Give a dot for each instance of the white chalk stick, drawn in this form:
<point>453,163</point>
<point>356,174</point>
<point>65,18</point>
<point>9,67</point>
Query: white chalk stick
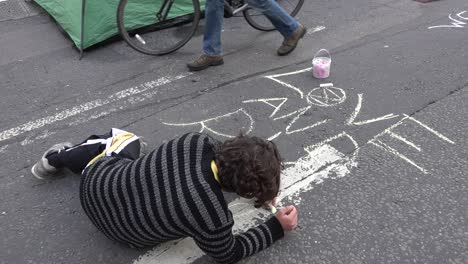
<point>326,85</point>
<point>273,209</point>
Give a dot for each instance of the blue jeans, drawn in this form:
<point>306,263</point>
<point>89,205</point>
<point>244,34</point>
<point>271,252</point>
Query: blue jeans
<point>214,13</point>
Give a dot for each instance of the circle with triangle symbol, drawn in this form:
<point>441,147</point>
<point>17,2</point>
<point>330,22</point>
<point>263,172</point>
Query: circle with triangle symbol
<point>326,96</point>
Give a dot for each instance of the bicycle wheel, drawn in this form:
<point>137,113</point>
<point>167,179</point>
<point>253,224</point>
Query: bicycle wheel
<point>258,21</point>
<point>157,27</point>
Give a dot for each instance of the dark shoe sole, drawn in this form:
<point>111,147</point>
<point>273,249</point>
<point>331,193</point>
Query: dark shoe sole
<point>202,67</point>
<point>293,48</point>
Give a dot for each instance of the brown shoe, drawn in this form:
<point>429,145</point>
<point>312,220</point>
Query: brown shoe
<point>290,43</point>
<point>205,61</point>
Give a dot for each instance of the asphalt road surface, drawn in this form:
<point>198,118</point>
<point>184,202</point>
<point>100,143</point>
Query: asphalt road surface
<point>376,163</point>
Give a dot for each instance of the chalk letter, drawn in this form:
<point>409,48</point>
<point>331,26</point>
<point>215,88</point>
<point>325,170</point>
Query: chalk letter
<point>460,15</point>
<point>455,23</point>
<point>351,120</point>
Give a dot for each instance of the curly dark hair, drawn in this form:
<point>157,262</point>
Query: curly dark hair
<point>250,166</point>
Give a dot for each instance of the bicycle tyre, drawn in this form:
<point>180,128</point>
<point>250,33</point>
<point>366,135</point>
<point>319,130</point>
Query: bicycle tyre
<point>194,19</point>
<point>250,17</point>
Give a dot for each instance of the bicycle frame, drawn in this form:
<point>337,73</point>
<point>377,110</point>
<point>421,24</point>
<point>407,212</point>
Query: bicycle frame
<point>233,11</point>
<point>167,4</point>
<point>164,10</point>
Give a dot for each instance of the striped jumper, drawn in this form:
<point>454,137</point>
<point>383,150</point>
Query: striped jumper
<point>168,194</point>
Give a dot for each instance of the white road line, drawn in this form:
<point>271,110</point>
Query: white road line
<point>16,131</point>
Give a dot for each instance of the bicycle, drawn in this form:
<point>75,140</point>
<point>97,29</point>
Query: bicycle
<point>168,31</point>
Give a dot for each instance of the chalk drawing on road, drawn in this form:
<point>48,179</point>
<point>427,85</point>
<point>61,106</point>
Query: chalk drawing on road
<point>405,140</point>
<point>275,136</point>
<point>326,96</point>
<point>294,88</point>
<point>352,119</point>
<point>267,101</point>
<point>299,113</point>
<point>395,152</point>
<point>378,140</point>
<point>204,124</point>
<point>315,30</point>
<point>456,22</point>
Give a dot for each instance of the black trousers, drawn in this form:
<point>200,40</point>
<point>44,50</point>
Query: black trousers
<point>78,157</point>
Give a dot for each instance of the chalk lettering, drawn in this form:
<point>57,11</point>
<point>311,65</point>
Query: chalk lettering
<point>456,22</point>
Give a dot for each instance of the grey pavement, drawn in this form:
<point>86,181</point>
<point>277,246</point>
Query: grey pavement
<point>400,96</point>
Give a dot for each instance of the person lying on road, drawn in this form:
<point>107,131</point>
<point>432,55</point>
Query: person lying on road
<point>174,191</point>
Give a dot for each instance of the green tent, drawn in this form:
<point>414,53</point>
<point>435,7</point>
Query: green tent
<point>89,22</point>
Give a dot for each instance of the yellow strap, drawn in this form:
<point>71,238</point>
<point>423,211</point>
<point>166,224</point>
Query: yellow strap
<point>214,168</point>
<point>116,142</point>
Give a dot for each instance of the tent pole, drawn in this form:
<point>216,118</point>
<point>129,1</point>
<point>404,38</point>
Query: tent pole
<point>83,6</point>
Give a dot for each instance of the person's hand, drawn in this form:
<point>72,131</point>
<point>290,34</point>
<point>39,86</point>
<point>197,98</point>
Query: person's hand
<point>287,216</point>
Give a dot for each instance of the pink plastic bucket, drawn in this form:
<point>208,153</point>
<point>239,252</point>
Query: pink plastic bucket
<point>321,64</point>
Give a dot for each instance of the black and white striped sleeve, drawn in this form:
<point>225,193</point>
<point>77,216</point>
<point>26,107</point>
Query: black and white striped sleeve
<point>225,247</point>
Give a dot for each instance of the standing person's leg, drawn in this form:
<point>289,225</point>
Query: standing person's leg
<point>75,158</point>
<point>291,30</point>
<point>212,48</point>
<point>214,16</point>
<point>283,22</point>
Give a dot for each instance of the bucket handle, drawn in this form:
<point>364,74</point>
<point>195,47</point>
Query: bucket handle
<point>322,50</point>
